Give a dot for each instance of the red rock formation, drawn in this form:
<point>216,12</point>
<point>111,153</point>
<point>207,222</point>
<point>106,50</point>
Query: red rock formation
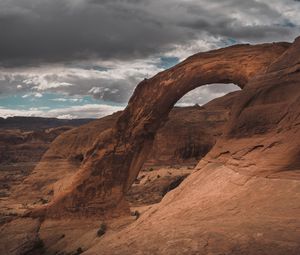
<point>188,134</point>
<point>20,152</point>
<point>18,146</point>
<point>244,196</point>
<point>114,161</point>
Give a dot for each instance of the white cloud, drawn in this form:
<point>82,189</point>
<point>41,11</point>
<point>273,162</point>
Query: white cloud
<point>182,51</point>
<point>26,95</point>
<point>95,90</point>
<point>84,111</point>
<point>65,116</point>
<point>62,99</point>
<point>38,95</point>
<point>108,80</point>
<point>40,82</point>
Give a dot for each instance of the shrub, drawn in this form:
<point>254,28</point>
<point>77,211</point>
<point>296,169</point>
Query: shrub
<point>173,185</point>
<point>39,245</point>
<point>101,231</point>
<point>38,248</point>
<point>136,214</point>
<point>79,251</point>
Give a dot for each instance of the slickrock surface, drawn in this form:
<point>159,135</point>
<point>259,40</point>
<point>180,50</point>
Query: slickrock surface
<point>215,211</point>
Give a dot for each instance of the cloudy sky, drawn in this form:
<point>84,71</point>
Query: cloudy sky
<point>83,58</point>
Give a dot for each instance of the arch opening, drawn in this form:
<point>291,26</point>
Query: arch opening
<point>191,130</point>
<point>198,116</point>
<point>204,94</point>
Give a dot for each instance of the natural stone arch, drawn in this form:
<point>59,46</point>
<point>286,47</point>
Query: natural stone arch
<point>114,161</point>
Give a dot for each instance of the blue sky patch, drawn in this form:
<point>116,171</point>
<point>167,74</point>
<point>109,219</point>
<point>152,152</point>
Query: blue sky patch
<point>49,101</point>
<point>168,62</point>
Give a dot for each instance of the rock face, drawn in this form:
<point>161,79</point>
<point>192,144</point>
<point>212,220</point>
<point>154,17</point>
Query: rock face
<point>113,163</point>
<point>20,151</point>
<point>215,211</point>
<point>23,141</point>
<point>244,196</point>
<point>189,133</point>
<point>20,237</point>
<point>25,146</point>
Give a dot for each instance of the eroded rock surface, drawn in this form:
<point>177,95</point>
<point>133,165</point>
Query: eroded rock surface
<point>113,163</point>
<point>244,196</point>
<point>20,236</point>
<point>215,211</point>
<point>189,133</point>
<point>23,141</point>
<point>20,152</point>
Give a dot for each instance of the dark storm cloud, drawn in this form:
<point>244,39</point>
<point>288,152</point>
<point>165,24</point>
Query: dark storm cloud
<point>236,19</point>
<point>34,31</point>
<point>61,30</point>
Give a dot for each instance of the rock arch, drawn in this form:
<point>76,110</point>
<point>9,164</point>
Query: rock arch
<point>112,164</point>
